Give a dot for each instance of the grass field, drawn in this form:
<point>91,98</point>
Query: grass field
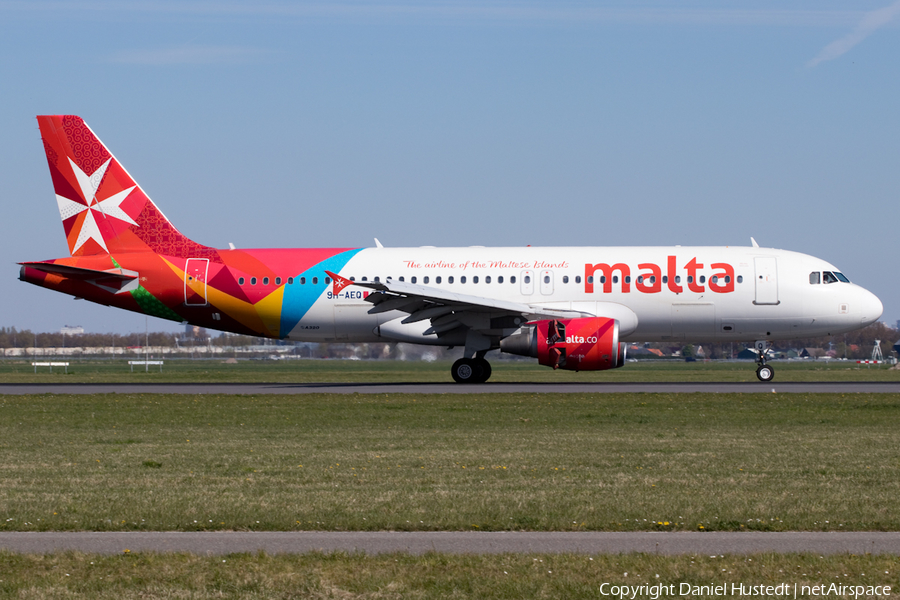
<point>450,462</point>
<point>349,371</point>
<point>343,576</point>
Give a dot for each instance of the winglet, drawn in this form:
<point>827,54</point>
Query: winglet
<point>337,282</point>
<point>752,241</point>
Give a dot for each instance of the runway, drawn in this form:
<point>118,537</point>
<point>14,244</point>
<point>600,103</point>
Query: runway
<point>882,387</point>
<point>205,543</point>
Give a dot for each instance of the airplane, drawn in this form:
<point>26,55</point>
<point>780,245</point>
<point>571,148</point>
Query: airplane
<point>571,308</point>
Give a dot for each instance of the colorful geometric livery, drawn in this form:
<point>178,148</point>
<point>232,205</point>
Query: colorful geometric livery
<point>126,253</point>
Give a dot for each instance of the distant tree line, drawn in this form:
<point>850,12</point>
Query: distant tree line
<point>862,339</point>
<point>855,345</point>
<point>10,337</point>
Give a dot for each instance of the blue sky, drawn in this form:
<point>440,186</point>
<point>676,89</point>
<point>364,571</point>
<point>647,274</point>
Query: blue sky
<point>300,124</point>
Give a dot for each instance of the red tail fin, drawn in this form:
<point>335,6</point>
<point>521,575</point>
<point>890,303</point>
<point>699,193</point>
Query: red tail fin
<point>102,209</point>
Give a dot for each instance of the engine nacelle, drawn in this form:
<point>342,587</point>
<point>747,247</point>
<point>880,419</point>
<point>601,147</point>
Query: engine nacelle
<point>587,344</point>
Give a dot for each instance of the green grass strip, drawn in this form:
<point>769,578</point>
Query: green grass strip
<point>546,462</point>
<point>355,576</point>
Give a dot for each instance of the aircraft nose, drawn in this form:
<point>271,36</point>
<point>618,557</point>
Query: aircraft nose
<point>871,307</point>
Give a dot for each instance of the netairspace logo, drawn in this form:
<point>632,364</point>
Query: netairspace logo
<point>782,590</point>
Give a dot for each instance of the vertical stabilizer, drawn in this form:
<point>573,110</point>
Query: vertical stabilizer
<point>102,209</point>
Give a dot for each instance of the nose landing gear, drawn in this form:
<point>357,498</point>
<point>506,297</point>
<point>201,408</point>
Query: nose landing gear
<point>764,372</point>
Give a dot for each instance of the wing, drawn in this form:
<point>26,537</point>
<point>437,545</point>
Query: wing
<point>448,311</point>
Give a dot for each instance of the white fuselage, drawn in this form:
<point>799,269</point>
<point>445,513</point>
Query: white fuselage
<point>757,293</point>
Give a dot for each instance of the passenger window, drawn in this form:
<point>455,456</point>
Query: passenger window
<point>590,279</point>
<point>353,279</point>
<point>678,279</point>
<point>728,279</point>
<point>377,280</point>
<point>401,278</point>
<point>278,281</point>
<point>740,279</point>
<point>640,279</point>
<point>815,278</point>
<point>425,279</point>
<point>603,278</point>
<point>500,279</point>
<point>652,279</point>
<point>713,279</point>
<point>475,279</point>
<point>487,278</point>
<point>253,281</point>
<point>512,278</point>
<point>450,279</point>
<point>365,278</point>
<point>546,279</point>
<point>412,279</point>
<point>703,279</point>
<point>665,279</point>
<point>265,281</point>
<point>437,279</point>
<point>290,281</point>
<point>690,279</point>
<point>327,280</point>
<point>303,280</point>
<point>240,281</point>
<point>462,279</point>
<point>628,279</point>
<point>565,279</point>
<point>528,279</point>
<point>315,281</point>
<point>578,279</point>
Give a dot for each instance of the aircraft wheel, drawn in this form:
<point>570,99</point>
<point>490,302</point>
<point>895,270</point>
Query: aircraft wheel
<point>765,373</point>
<point>482,369</point>
<point>464,371</point>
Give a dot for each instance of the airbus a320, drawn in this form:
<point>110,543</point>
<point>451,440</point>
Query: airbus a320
<point>570,308</point>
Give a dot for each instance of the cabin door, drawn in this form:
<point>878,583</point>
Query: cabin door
<point>766,280</point>
<point>195,272</point>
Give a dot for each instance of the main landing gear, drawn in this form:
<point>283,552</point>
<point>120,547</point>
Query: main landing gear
<point>471,370</point>
<point>764,372</point>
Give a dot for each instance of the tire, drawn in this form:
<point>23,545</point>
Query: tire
<point>482,370</point>
<point>765,373</point>
<point>464,371</point>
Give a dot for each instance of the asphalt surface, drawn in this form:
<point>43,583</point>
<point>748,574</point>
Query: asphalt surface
<point>886,387</point>
<point>707,543</point>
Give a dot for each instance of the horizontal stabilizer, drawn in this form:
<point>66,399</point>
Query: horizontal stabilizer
<point>116,281</point>
<point>82,274</point>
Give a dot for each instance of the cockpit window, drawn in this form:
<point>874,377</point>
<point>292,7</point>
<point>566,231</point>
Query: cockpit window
<point>828,277</point>
<point>841,277</point>
<point>815,278</point>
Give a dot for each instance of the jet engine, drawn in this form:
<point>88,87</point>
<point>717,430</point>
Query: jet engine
<point>585,344</point>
